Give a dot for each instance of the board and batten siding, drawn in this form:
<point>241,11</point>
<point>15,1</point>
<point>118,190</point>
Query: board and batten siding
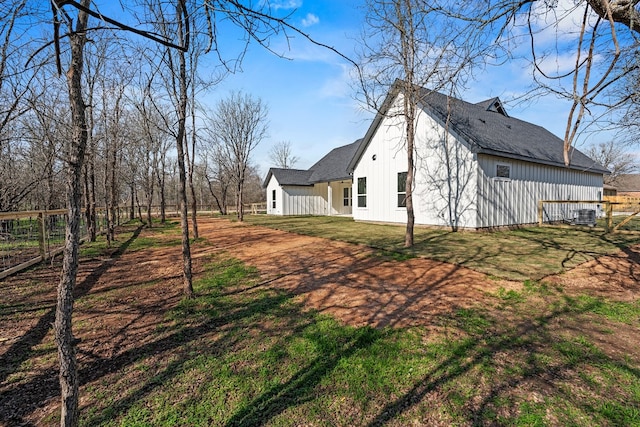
<point>385,157</point>
<point>512,201</point>
<point>306,199</point>
<point>274,186</point>
<point>380,163</point>
<point>303,200</point>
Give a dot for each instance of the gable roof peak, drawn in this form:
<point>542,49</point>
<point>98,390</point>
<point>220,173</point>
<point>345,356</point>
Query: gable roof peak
<point>495,105</point>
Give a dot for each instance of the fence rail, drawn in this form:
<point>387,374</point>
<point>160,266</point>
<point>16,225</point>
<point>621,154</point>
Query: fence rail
<point>624,203</point>
<point>27,238</point>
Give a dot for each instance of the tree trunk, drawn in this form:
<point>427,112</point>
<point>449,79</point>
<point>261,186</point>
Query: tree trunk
<point>69,383</point>
<point>107,212</point>
<point>113,198</point>
<point>192,160</point>
<point>93,230</point>
<point>163,202</point>
<point>194,206</point>
<point>180,140</point>
<point>240,190</point>
<point>409,108</point>
<point>132,207</point>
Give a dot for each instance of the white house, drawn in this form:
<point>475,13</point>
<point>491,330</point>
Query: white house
<point>324,189</point>
<point>475,167</point>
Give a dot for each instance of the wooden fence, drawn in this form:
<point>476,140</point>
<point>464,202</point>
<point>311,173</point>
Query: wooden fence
<point>30,237</point>
<point>623,203</point>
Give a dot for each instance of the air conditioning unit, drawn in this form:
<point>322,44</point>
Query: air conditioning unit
<point>584,217</point>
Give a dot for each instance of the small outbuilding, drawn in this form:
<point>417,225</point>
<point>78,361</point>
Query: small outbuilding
<point>323,189</point>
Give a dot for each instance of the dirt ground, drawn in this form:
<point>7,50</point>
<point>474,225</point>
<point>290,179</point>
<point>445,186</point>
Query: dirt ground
<point>344,280</point>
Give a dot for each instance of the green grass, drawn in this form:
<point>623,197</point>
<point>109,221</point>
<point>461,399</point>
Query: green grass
<point>526,253</point>
<point>243,354</point>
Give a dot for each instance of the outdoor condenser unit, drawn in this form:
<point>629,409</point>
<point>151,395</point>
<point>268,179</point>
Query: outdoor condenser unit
<point>585,217</point>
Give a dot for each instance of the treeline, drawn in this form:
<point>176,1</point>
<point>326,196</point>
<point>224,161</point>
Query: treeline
<point>130,157</point>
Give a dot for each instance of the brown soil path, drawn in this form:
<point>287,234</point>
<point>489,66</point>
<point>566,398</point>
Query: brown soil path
<point>348,281</point>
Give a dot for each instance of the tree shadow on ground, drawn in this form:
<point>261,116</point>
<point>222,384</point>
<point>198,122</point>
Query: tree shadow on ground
<point>16,405</point>
<point>529,342</point>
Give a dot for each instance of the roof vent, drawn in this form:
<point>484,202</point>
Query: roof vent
<point>494,105</point>
<point>497,107</point>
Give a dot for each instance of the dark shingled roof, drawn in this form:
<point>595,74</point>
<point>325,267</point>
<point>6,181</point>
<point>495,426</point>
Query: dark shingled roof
<point>490,132</point>
<point>332,167</point>
<point>487,129</point>
<point>627,182</point>
<point>289,176</point>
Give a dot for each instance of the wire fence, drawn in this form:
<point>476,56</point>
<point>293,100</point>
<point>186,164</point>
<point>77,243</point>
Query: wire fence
<point>27,238</point>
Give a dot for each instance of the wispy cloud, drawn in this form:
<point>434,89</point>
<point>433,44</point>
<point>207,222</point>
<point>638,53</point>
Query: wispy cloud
<point>286,4</point>
<point>310,20</point>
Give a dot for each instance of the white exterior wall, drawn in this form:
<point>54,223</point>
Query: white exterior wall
<point>337,199</point>
<point>302,200</point>
<point>274,185</point>
<point>307,200</point>
<point>430,195</point>
<point>296,200</point>
<point>515,201</point>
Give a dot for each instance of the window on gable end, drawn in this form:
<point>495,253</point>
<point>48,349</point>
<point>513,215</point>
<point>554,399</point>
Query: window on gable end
<point>503,171</point>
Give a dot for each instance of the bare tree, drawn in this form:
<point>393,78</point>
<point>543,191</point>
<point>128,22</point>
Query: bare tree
<point>239,125</point>
<point>176,85</point>
<point>218,177</point>
<point>614,157</point>
<point>408,46</point>
<point>74,156</point>
<point>281,155</point>
<point>15,81</point>
<point>579,51</point>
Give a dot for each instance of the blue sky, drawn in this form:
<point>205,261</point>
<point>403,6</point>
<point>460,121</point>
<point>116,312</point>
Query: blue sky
<point>311,103</point>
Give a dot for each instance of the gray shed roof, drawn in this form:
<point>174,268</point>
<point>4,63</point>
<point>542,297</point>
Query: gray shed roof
<point>488,129</point>
<point>332,167</point>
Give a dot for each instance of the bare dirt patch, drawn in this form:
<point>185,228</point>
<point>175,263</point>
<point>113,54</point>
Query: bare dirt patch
<point>131,291</point>
<point>614,276</point>
<point>348,281</point>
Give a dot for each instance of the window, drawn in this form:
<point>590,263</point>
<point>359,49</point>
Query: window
<point>273,199</point>
<point>346,196</point>
<point>503,171</point>
<point>402,189</point>
<point>362,192</point>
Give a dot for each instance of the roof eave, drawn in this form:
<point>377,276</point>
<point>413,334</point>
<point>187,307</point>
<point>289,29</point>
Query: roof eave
<point>540,161</point>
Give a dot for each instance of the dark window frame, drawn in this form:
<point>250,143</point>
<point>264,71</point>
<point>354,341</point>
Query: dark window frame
<point>402,189</point>
<point>346,196</point>
<point>503,171</point>
<point>362,192</point>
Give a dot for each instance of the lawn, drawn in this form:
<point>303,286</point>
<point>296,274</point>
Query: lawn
<point>246,353</point>
<point>259,358</point>
<point>521,254</point>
